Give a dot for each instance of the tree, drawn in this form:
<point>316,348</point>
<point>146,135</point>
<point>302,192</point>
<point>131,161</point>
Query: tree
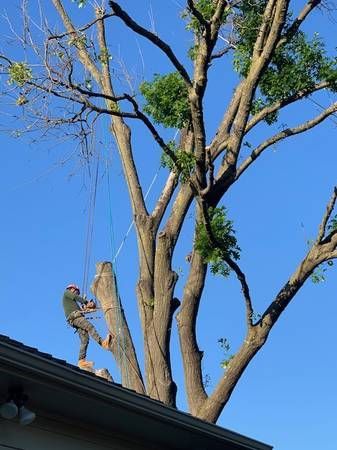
<point>277,65</point>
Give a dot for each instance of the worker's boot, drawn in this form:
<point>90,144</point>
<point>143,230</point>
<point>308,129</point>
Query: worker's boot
<point>85,365</point>
<point>106,342</point>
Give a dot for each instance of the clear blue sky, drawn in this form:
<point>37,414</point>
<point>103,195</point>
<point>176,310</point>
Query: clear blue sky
<point>287,396</point>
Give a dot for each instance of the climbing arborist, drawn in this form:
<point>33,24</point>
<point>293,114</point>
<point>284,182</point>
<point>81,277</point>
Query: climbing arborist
<point>75,317</point>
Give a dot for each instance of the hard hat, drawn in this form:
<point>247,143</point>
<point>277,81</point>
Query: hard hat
<point>73,286</point>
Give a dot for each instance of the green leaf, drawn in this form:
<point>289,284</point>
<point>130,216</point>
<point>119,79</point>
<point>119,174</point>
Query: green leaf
<point>299,64</point>
<point>224,235</point>
<point>167,100</point>
<point>19,73</point>
<point>183,162</point>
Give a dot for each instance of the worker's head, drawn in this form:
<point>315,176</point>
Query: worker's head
<point>73,288</point>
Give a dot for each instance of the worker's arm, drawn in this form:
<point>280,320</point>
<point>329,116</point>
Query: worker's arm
<point>76,298</point>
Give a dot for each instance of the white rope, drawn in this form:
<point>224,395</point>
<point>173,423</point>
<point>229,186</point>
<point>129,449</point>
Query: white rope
<point>133,222</point>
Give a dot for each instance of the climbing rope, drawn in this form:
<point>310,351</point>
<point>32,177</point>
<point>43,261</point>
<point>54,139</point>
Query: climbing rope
<point>90,227</point>
<point>146,195</point>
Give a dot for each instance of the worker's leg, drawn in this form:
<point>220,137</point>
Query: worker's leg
<point>83,324</point>
<point>84,338</point>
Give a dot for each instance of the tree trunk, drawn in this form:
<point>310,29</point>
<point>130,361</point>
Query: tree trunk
<point>105,290</point>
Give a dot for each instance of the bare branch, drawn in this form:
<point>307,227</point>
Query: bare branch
<point>130,23</point>
<point>285,134</point>
<point>326,217</point>
<point>82,51</point>
<point>223,52</point>
<point>79,30</point>
<point>164,198</point>
<point>261,115</point>
<point>245,289</point>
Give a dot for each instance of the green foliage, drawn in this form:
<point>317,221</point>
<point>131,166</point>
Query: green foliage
<point>167,100</point>
<point>226,243</point>
<point>319,274</point>
<point>257,105</point>
<point>78,41</point>
<point>183,163</point>
<point>21,100</point>
<point>19,73</point>
<point>225,346</point>
<point>104,57</point>
<point>206,9</point>
<point>296,65</point>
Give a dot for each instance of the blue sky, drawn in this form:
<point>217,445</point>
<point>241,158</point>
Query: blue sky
<point>287,396</point>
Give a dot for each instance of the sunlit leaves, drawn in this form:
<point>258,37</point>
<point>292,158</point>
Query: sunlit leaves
<point>19,73</point>
<point>206,8</point>
<point>214,249</point>
<point>297,65</point>
<point>167,100</point>
<point>183,163</point>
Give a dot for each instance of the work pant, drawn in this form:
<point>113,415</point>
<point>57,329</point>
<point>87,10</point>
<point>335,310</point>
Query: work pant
<point>84,328</point>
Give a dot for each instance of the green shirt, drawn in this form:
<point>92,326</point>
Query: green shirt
<point>70,302</point>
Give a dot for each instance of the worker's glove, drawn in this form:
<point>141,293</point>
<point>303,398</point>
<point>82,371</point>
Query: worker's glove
<point>91,304</point>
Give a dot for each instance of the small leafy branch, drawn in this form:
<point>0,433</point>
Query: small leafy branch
<point>19,73</point>
<point>183,163</point>
<point>167,100</point>
<point>319,274</point>
<point>104,57</point>
<point>224,244</point>
<point>225,346</point>
<point>78,41</point>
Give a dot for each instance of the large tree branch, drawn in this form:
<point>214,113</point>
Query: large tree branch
<point>326,217</point>
<point>134,26</point>
<point>261,115</point>
<point>258,334</point>
<point>269,35</point>
<point>245,289</point>
<point>186,319</point>
<point>221,140</point>
<point>164,198</point>
<point>82,51</point>
<point>196,92</point>
<point>120,129</point>
<point>283,135</point>
<point>294,27</point>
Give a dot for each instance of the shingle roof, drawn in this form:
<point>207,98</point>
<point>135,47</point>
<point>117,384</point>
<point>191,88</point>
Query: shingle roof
<point>44,374</point>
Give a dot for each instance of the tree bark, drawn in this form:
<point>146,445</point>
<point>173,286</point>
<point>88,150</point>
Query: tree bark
<point>105,290</point>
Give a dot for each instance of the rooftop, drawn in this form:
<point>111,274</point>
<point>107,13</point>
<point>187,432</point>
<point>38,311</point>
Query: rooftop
<point>56,386</point>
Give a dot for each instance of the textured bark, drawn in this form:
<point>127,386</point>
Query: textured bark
<point>157,236</point>
<point>191,354</point>
<point>105,290</point>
